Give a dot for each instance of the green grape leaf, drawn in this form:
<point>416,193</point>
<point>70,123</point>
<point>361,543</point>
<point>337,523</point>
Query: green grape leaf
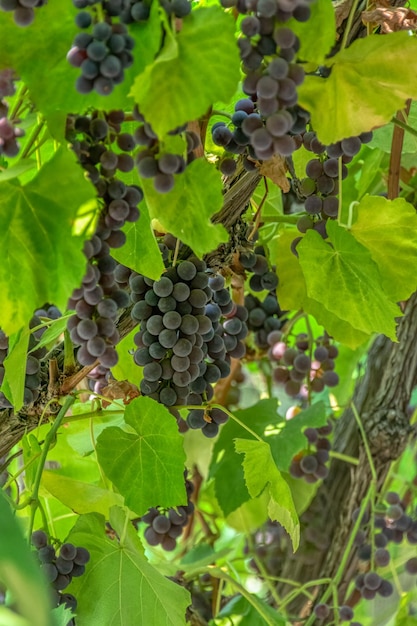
<point>186,210</point>
<point>38,219</point>
<point>184,81</point>
<point>13,385</point>
<point>231,494</point>
<point>261,473</point>
<point>290,439</point>
<point>21,167</point>
<point>317,34</point>
<point>119,585</point>
<point>146,461</point>
<point>341,330</point>
<point>388,229</point>
<point>62,615</point>
<point>368,83</point>
<point>31,457</point>
<point>341,275</point>
<point>126,368</point>
<point>79,496</point>
<point>51,79</point>
<point>254,613</point>
<point>382,137</point>
<point>53,331</point>
<point>19,570</point>
<point>141,252</point>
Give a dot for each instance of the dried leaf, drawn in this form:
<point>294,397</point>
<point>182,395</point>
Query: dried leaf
<point>275,169</point>
<point>120,389</point>
<point>391,20</point>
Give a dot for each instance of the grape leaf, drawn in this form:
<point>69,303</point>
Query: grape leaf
<point>126,369</point>
<point>53,331</point>
<point>186,210</point>
<point>13,385</point>
<point>185,80</point>
<point>19,571</point>
<point>261,473</point>
<point>388,229</point>
<point>252,613</point>
<point>51,79</point>
<point>141,252</point>
<point>146,461</point>
<point>382,137</point>
<point>232,493</point>
<point>119,585</point>
<point>369,82</point>
<point>37,257</point>
<point>317,34</point>
<point>80,496</point>
<point>341,275</point>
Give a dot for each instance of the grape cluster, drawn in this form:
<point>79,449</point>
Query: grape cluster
<point>60,569</point>
<point>264,315</point>
<point>9,133</point>
<point>153,162</point>
<point>23,10</point>
<point>320,187</point>
<point>303,364</point>
<point>99,298</point>
<point>33,360</point>
<point>101,55</point>
<point>393,525</point>
<point>165,526</point>
<point>270,543</point>
<point>311,465</point>
<point>269,121</point>
<point>189,330</point>
<point>345,613</point>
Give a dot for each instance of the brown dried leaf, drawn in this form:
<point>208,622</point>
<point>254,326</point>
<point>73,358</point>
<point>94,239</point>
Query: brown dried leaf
<point>391,20</point>
<point>275,169</point>
<point>120,390</point>
<point>341,10</point>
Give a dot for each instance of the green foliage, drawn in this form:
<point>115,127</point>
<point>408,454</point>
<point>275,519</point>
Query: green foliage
<point>170,92</point>
<point>15,365</point>
<point>120,586</point>
<point>317,35</point>
<point>37,219</point>
<point>342,276</point>
<point>146,460</point>
<point>19,572</point>
<point>190,221</point>
<point>261,473</point>
<point>362,92</point>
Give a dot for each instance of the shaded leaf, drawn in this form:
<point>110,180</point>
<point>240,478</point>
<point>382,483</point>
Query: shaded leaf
<point>317,34</point>
<point>146,461</point>
<point>368,83</point>
<point>13,385</point>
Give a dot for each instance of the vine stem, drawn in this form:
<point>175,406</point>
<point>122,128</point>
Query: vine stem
<point>349,24</point>
<point>69,401</point>
<point>301,589</point>
<point>343,457</point>
<point>216,572</point>
<point>365,442</point>
<point>271,588</point>
<point>237,420</point>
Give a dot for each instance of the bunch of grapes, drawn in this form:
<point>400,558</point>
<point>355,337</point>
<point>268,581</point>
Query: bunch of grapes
<point>393,525</point>
<point>264,315</point>
<point>189,330</point>
<point>102,54</point>
<point>153,162</point>
<point>33,378</point>
<point>9,133</point>
<point>311,464</point>
<point>303,364</point>
<point>60,569</point>
<point>165,526</point>
<point>344,613</point>
<point>23,10</point>
<point>98,300</point>
<point>269,121</point>
<point>270,543</point>
<point>320,187</point>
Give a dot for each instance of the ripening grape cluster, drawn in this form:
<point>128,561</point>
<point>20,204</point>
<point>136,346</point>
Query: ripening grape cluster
<point>311,464</point>
<point>269,121</point>
<point>270,543</point>
<point>9,133</point>
<point>33,359</point>
<point>60,568</point>
<point>264,316</point>
<point>154,162</point>
<point>165,526</point>
<point>98,300</point>
<point>303,364</point>
<point>393,524</point>
<point>189,330</point>
<point>344,613</point>
<point>23,10</point>
<point>320,187</point>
